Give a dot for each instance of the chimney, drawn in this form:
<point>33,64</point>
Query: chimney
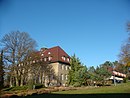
<point>43,49</point>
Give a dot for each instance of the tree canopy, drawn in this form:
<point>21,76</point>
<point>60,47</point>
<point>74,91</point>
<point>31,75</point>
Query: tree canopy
<point>124,55</point>
<point>16,46</point>
<point>77,73</point>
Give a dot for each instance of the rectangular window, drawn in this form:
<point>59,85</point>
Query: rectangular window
<point>62,77</point>
<point>68,59</point>
<point>66,77</point>
<point>49,58</point>
<point>62,67</point>
<point>33,61</point>
<point>45,59</point>
<point>66,67</point>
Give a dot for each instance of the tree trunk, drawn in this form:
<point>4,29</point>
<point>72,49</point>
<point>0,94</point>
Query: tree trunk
<point>16,77</point>
<point>10,82</point>
<point>40,78</point>
<point>43,78</point>
<point>21,82</point>
<point>17,81</point>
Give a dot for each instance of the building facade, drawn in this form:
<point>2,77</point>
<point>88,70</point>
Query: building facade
<point>60,62</point>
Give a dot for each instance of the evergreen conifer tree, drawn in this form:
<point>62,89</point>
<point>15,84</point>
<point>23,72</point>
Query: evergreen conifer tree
<point>1,71</point>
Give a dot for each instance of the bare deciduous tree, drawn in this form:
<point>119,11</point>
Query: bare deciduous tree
<point>124,55</point>
<point>128,26</point>
<point>16,45</point>
<point>39,70</point>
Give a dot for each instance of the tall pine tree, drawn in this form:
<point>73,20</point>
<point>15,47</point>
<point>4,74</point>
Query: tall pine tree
<point>1,71</point>
<point>77,73</point>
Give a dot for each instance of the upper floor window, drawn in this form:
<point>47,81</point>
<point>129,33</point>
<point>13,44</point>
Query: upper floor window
<point>49,52</point>
<point>66,67</point>
<point>42,54</point>
<point>62,67</point>
<point>68,59</point>
<point>34,61</point>
<point>19,65</point>
<point>62,77</point>
<point>45,59</point>
<point>49,58</point>
<point>66,77</point>
<point>63,57</point>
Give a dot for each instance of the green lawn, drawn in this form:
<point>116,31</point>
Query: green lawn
<point>120,88</point>
<point>119,91</point>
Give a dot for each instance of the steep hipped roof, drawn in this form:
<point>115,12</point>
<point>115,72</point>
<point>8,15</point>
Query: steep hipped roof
<point>55,54</point>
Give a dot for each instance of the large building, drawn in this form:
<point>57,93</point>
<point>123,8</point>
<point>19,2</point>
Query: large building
<point>59,60</point>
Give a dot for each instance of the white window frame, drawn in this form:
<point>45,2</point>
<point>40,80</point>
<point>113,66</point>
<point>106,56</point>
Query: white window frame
<point>45,59</point>
<point>49,58</point>
<point>62,77</point>
<point>66,77</point>
<point>62,67</point>
<point>66,67</point>
<point>49,52</point>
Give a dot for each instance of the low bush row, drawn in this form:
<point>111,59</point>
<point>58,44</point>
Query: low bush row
<point>25,87</point>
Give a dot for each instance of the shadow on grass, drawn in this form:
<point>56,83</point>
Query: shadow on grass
<point>119,95</point>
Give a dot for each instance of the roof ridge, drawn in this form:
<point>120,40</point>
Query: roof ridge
<point>54,47</point>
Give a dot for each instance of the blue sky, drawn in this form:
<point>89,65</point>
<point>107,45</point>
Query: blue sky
<point>92,29</point>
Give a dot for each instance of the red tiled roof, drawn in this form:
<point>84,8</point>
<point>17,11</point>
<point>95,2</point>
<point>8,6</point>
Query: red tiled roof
<point>55,54</point>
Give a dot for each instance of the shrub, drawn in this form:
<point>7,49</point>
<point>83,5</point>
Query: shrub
<point>77,84</point>
<point>37,86</point>
<point>8,89</point>
<point>25,87</point>
<point>30,86</point>
<point>124,80</point>
<point>99,84</point>
<point>16,88</point>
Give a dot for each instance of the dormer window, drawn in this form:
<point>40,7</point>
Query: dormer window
<point>68,59</point>
<point>63,57</point>
<point>19,65</point>
<point>49,58</point>
<point>45,59</point>
<point>49,52</point>
<point>34,61</point>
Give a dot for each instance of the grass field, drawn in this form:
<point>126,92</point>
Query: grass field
<point>119,91</point>
<point>120,88</point>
